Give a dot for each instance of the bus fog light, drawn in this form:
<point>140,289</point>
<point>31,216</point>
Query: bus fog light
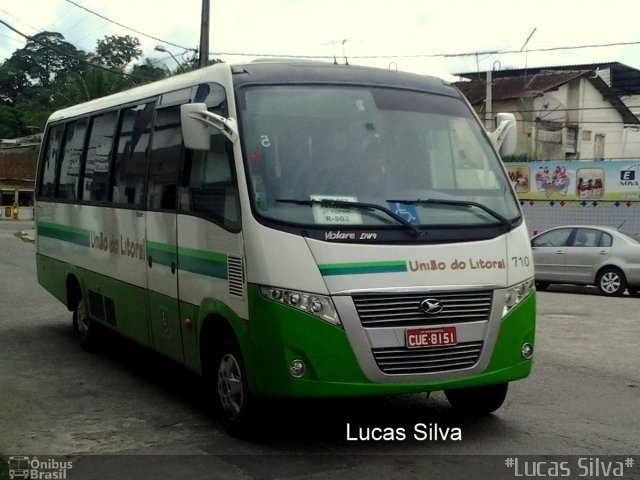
<point>297,368</point>
<point>527,351</point>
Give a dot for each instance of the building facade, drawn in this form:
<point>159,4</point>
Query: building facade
<point>563,113</point>
<point>18,163</point>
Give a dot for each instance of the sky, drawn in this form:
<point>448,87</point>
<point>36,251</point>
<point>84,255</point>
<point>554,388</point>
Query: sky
<point>428,37</point>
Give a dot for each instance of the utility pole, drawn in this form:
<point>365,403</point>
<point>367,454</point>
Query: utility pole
<point>488,119</point>
<point>204,35</point>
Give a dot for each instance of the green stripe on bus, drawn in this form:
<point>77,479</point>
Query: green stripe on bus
<point>362,268</point>
<point>210,264</point>
<point>65,233</point>
<point>162,253</point>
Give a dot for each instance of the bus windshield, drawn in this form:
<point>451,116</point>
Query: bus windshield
<point>310,150</point>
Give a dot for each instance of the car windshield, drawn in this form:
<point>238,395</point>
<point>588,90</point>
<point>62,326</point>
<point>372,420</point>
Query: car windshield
<point>393,154</point>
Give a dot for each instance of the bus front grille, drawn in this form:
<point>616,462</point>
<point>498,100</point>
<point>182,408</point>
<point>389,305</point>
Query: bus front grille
<point>401,360</point>
<point>403,310</point>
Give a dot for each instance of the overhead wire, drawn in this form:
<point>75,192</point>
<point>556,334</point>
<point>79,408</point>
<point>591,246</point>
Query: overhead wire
<point>126,27</point>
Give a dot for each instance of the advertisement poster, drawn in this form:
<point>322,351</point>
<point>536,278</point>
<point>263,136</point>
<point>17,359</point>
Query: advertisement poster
<point>607,181</point>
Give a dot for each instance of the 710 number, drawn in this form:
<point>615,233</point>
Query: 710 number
<point>520,261</point>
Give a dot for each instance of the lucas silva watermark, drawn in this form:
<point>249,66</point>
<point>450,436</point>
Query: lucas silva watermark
<point>421,432</point>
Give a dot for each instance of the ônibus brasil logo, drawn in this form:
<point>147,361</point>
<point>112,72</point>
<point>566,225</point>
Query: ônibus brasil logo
<point>35,469</point>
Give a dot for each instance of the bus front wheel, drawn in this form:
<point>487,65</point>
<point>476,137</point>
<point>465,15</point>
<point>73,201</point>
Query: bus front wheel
<point>234,401</point>
<point>478,400</point>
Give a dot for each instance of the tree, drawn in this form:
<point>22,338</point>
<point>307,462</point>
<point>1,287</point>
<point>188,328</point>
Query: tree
<point>146,72</point>
<point>8,122</point>
<point>46,59</point>
<point>94,83</point>
<point>117,52</point>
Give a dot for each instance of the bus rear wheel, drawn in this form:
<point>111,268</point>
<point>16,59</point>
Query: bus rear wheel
<point>478,401</point>
<point>234,401</point>
<point>84,326</point>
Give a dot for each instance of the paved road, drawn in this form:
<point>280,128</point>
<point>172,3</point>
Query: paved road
<point>130,413</point>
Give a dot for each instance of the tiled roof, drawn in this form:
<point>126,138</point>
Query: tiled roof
<point>508,88</point>
<point>625,80</point>
<point>519,85</point>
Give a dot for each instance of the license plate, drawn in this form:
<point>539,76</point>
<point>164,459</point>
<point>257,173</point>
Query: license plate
<point>430,337</point>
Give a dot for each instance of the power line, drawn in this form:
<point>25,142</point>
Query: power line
<point>124,26</point>
<point>429,55</point>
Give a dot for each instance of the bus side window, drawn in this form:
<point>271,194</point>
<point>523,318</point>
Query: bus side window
<point>96,171</point>
<point>50,160</point>
<point>209,185</point>
<point>67,187</point>
<point>131,157</point>
<point>166,154</point>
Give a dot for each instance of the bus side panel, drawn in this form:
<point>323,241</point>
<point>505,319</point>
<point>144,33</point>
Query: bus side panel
<point>52,275</point>
<point>105,248</point>
<point>118,305</point>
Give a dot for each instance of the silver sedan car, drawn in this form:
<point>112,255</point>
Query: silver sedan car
<point>587,255</point>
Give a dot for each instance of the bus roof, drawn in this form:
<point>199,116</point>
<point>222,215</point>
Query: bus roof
<point>271,72</point>
<point>328,73</point>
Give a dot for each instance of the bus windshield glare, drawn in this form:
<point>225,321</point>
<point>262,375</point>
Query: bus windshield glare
<point>424,157</point>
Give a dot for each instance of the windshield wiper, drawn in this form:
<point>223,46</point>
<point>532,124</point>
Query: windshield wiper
<point>458,203</point>
<point>328,203</point>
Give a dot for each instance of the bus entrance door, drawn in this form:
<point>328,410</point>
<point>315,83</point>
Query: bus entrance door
<point>162,271</point>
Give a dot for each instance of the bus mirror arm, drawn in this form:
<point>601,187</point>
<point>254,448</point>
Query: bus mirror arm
<point>227,126</point>
<point>504,137</point>
<point>196,120</point>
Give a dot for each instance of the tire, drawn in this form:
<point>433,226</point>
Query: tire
<point>235,404</point>
<point>85,327</point>
<point>478,401</point>
<point>542,286</point>
<point>611,282</point>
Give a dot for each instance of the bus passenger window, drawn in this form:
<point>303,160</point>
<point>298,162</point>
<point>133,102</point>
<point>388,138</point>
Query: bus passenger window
<point>96,171</point>
<point>131,156</point>
<point>209,185</point>
<point>166,154</point>
<point>50,160</point>
<point>67,188</point>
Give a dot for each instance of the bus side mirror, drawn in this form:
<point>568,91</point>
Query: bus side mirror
<point>197,122</point>
<point>505,137</point>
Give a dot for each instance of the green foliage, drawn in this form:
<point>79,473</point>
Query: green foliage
<point>50,73</point>
<point>117,52</point>
<point>8,122</point>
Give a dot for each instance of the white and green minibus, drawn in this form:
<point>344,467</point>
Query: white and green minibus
<point>293,230</point>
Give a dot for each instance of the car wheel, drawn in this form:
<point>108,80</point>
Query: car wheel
<point>478,401</point>
<point>611,281</point>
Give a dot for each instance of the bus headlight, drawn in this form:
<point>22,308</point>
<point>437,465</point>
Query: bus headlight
<point>319,306</point>
<point>515,294</point>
